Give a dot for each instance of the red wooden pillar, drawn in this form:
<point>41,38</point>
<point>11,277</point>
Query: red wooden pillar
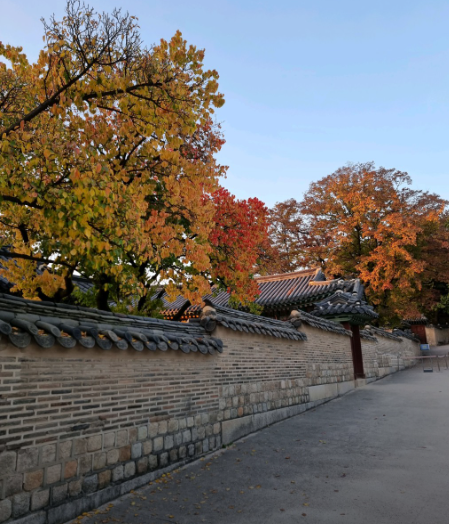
<point>356,349</point>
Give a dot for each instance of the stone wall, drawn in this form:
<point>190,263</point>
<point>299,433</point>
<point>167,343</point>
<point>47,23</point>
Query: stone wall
<point>385,356</point>
<point>436,336</point>
<point>81,426</point>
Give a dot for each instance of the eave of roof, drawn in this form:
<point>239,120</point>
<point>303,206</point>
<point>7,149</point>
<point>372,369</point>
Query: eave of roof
<point>247,322</point>
<point>49,323</point>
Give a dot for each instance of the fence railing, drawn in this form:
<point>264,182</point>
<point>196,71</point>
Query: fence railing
<point>436,358</point>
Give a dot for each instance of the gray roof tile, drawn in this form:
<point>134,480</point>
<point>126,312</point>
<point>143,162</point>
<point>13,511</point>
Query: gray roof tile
<point>47,324</point>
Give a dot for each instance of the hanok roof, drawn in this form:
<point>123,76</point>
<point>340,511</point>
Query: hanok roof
<point>282,292</point>
<point>345,307</point>
<point>301,288</point>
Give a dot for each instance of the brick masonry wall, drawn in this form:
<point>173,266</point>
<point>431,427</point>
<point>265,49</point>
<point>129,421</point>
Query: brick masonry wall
<point>77,421</point>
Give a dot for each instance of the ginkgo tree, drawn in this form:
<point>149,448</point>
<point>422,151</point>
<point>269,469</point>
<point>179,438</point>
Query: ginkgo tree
<point>107,164</point>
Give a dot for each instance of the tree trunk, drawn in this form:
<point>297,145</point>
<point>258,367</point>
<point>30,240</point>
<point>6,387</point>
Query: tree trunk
<point>102,297</point>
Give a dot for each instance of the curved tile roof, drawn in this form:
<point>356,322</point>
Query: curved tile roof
<point>375,331</point>
<point>240,321</point>
<point>277,292</point>
<point>320,323</point>
<point>48,323</point>
<point>405,333</point>
<point>343,303</point>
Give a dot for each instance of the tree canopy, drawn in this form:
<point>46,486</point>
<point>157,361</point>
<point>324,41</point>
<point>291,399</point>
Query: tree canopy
<point>108,168</point>
<point>367,222</point>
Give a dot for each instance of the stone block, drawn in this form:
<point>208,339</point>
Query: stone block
<point>70,469</point>
<point>142,465</point>
<point>5,510</point>
<point>8,461</point>
<point>173,425</point>
<point>177,437</point>
<point>94,443</point>
<point>163,460</point>
<point>132,435</point>
<point>201,432</point>
<point>112,456</point>
<point>163,427</point>
<point>198,448</point>
<point>168,442</point>
<point>173,455</point>
<point>130,469</point>
<point>75,487</point>
<point>108,440</point>
<point>136,450</point>
<point>182,452</point>
<point>152,462</point>
<point>79,446</point>
<point>323,391</point>
<point>190,422</point>
<point>99,460</point>
<point>152,430</point>
<point>84,464</point>
<point>197,420</point>
<point>90,483</point>
<point>48,454</point>
<point>14,484</point>
<point>27,459</point>
<point>186,436</point>
<point>59,493</point>
<point>182,423</point>
<point>345,387</point>
<point>122,437</point>
<point>124,453</point>
<point>21,504</point>
<point>40,499</point>
<point>117,473</point>
<point>158,443</point>
<point>209,431</point>
<point>104,478</point>
<point>147,447</point>
<point>65,450</point>
<point>142,432</point>
<point>53,474</point>
<point>205,445</point>
<point>33,480</point>
<point>191,450</point>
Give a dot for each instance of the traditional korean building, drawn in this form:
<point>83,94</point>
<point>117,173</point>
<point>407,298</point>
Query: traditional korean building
<point>279,295</point>
<point>282,296</point>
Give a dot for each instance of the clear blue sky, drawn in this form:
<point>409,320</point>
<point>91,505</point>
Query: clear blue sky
<point>309,86</point>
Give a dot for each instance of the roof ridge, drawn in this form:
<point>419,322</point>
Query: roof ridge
<point>287,276</point>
